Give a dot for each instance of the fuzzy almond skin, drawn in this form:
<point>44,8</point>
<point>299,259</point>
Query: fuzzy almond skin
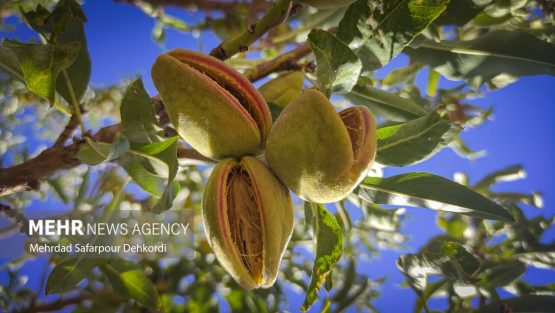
<point>207,115</point>
<point>329,4</point>
<point>276,209</point>
<point>233,80</point>
<point>310,150</point>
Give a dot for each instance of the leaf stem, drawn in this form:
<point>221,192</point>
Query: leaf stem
<point>75,104</point>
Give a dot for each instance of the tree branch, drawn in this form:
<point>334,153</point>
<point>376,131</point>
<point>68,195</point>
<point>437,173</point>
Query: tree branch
<point>287,61</point>
<point>19,221</point>
<point>274,16</point>
<point>55,305</point>
<point>68,131</point>
<point>191,5</point>
<point>29,175</point>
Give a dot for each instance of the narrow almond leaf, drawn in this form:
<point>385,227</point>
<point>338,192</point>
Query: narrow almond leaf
<point>94,153</point>
<point>68,273</point>
<point>513,53</point>
<point>283,89</point>
<point>386,104</point>
<point>138,116</point>
<point>433,80</point>
<point>65,24</point>
<point>414,141</point>
<point>41,64</point>
<point>9,64</point>
<point>129,280</point>
<point>524,304</point>
<point>402,75</point>
<point>459,12</point>
<point>502,274</point>
<point>380,35</point>
<point>510,173</point>
<point>446,259</point>
<point>154,168</point>
<point>431,191</point>
<point>75,78</point>
<point>338,68</point>
<point>329,246</point>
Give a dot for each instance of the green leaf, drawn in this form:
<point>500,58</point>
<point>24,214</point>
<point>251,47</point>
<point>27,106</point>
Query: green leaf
<point>525,304</point>
<point>58,187</point>
<point>502,274</point>
<point>138,116</point>
<point>507,174</point>
<point>464,151</point>
<point>382,34</point>
<point>383,103</point>
<point>534,198</point>
<point>329,246</point>
<point>154,168</point>
<point>431,191</point>
<point>402,75</point>
<point>282,90</point>
<point>10,64</point>
<point>129,280</point>
<point>429,291</point>
<point>338,67</point>
<point>52,24</point>
<point>459,12</point>
<point>75,78</point>
<point>433,80</point>
<point>414,141</point>
<point>41,64</point>
<point>347,282</point>
<point>65,25</point>
<point>94,153</point>
<point>68,273</point>
<point>378,218</point>
<point>514,53</point>
<point>540,259</point>
<point>446,259</point>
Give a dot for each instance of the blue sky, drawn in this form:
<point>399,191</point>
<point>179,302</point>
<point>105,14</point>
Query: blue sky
<point>523,131</point>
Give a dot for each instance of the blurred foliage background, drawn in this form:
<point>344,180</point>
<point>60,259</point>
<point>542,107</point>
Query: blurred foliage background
<point>473,265</point>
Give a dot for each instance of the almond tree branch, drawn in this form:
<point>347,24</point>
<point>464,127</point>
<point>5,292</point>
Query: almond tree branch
<point>287,61</point>
<point>19,221</point>
<point>56,305</point>
<point>275,15</point>
<point>192,5</point>
<point>68,131</point>
<point>29,175</point>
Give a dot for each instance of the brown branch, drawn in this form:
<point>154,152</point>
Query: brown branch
<point>9,231</point>
<point>55,305</point>
<point>30,174</point>
<point>19,221</point>
<point>68,131</point>
<point>284,62</point>
<point>190,5</point>
<point>13,215</point>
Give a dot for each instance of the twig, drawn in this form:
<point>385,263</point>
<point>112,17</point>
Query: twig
<point>274,16</point>
<point>287,61</point>
<point>68,132</point>
<point>29,175</point>
<point>20,222</point>
<point>191,5</point>
<point>55,305</point>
